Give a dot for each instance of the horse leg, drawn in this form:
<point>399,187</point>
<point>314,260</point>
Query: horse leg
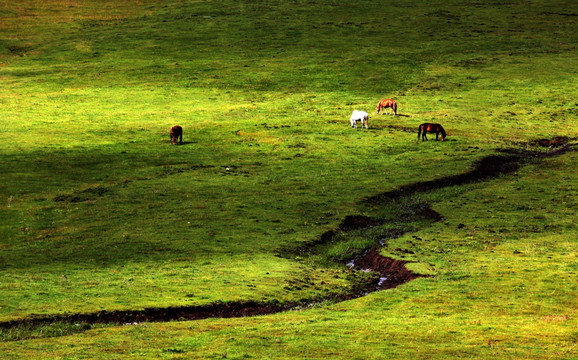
<point>423,136</point>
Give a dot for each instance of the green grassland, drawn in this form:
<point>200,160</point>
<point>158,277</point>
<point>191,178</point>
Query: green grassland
<point>99,212</point>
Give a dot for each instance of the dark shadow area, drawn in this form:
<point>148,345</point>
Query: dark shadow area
<point>184,143</point>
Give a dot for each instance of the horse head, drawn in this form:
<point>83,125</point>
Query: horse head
<point>443,132</point>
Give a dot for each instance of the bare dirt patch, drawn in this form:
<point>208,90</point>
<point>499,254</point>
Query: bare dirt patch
<point>491,166</point>
<point>555,142</point>
<point>391,272</point>
<point>354,222</point>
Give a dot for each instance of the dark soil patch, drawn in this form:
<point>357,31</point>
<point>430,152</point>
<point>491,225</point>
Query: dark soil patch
<point>354,222</point>
<point>489,167</point>
<point>391,272</point>
<point>218,310</point>
<point>555,142</point>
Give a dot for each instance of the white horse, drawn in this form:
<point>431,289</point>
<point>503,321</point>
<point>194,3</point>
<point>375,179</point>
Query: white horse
<point>359,116</point>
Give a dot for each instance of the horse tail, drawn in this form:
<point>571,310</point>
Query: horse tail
<point>419,131</point>
<point>395,107</point>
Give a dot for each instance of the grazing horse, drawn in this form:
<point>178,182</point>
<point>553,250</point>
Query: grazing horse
<point>430,128</point>
<point>385,104</point>
<point>359,116</point>
<point>176,134</point>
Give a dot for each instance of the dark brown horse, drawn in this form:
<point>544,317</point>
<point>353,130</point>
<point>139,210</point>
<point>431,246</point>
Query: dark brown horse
<point>387,103</point>
<point>176,134</point>
<point>430,128</point>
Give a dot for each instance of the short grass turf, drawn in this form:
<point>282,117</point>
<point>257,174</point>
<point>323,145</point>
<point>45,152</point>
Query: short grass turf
<point>99,212</point>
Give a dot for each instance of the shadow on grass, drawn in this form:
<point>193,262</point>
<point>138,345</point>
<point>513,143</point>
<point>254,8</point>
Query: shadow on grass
<point>184,143</point>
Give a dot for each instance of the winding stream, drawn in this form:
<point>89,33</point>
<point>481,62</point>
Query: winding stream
<point>391,272</point>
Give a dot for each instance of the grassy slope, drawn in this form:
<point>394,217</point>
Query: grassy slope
<point>266,89</point>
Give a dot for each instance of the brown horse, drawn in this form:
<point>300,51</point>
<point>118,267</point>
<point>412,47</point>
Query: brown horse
<point>430,128</point>
<point>176,134</point>
<point>387,103</point>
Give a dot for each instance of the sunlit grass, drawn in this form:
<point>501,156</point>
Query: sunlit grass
<point>99,212</point>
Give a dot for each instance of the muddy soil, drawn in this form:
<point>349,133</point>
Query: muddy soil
<point>555,142</point>
<point>489,167</point>
<point>218,310</point>
<point>391,272</point>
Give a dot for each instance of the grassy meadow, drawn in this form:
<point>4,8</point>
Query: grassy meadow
<point>98,211</point>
